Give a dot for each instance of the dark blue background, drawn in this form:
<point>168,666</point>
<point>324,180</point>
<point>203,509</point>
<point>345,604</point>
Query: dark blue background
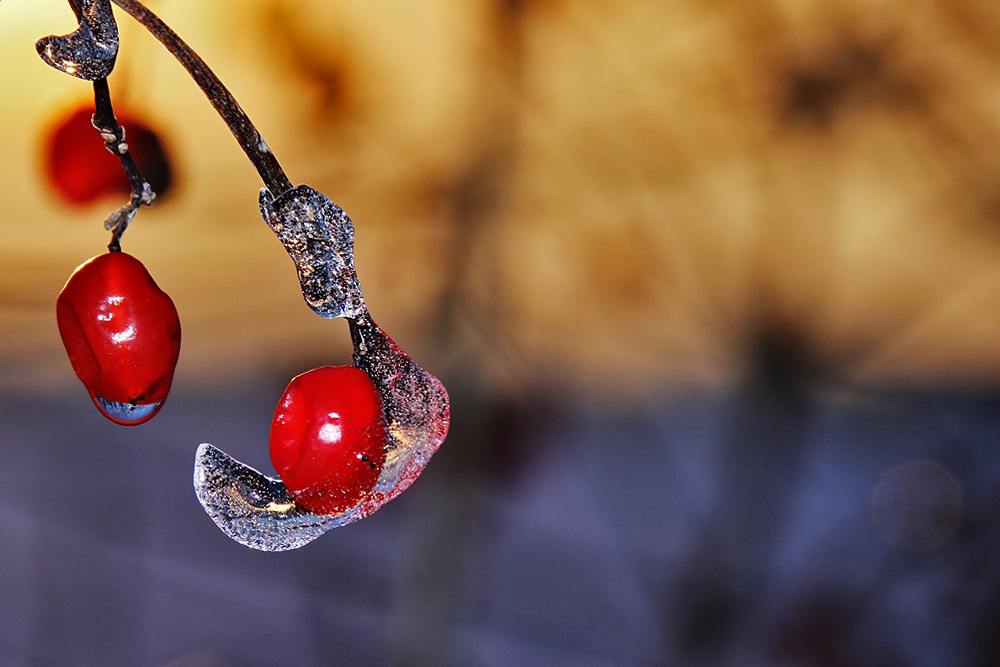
<point>725,529</point>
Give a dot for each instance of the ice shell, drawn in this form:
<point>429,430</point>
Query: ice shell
<point>416,405</point>
<point>257,511</point>
<point>252,508</point>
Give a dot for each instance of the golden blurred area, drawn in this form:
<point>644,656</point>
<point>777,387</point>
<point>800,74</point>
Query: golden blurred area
<point>588,196</point>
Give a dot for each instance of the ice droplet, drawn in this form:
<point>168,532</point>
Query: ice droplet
<point>126,413</point>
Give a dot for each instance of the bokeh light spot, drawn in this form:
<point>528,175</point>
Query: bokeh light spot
<point>917,505</point>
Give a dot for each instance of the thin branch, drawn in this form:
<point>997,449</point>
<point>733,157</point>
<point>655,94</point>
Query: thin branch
<point>114,140</point>
<point>220,97</point>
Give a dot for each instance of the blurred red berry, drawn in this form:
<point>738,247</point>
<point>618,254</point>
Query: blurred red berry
<point>81,169</point>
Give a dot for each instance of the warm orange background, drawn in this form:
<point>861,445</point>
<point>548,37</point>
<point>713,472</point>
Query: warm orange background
<point>589,194</point>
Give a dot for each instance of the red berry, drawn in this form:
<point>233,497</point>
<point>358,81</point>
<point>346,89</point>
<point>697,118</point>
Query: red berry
<point>328,438</point>
<point>122,335</point>
<point>82,170</point>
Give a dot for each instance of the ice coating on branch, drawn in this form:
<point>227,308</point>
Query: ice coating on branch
<point>88,52</point>
<point>416,406</point>
<point>319,237</point>
<point>257,511</point>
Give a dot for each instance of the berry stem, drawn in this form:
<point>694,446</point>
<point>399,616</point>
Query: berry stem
<point>225,104</point>
<point>114,140</point>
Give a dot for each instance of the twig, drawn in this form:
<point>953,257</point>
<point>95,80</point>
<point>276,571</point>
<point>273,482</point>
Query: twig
<point>114,140</point>
<point>220,97</point>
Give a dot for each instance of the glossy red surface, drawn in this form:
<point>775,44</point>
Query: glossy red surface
<point>121,332</point>
<point>328,441</point>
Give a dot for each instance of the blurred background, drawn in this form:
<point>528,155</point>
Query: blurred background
<point>714,288</point>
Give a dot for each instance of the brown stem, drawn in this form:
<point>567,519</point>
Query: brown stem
<point>114,140</point>
<point>220,97</point>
